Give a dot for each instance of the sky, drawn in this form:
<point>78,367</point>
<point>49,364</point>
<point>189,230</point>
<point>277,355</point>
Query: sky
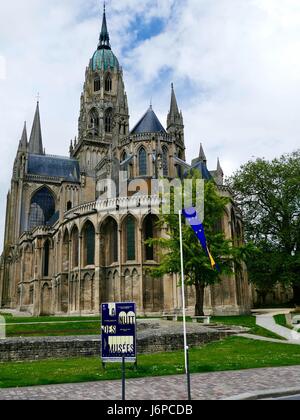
<point>235,66</point>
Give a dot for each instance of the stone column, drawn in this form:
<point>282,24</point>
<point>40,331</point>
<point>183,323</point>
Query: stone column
<point>98,297</point>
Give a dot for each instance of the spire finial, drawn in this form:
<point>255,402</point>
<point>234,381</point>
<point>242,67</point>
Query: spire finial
<point>104,35</point>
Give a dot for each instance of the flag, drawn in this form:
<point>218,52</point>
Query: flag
<point>192,218</point>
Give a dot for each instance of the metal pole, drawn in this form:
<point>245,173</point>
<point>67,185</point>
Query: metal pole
<point>189,376</point>
<point>186,349</point>
<point>123,379</point>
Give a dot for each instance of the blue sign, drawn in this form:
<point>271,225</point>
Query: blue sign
<point>118,332</point>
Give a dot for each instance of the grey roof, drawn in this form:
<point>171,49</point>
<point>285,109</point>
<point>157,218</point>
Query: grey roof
<point>202,168</point>
<point>149,123</point>
<point>54,166</point>
<point>35,141</point>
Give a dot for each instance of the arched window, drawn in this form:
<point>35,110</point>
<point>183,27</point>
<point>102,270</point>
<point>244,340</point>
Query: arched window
<point>109,232</point>
<point>42,208</point>
<point>75,247</point>
<point>165,161</point>
<point>149,232</point>
<point>108,121</point>
<point>46,258</point>
<point>130,238</point>
<point>69,205</point>
<point>142,162</point>
<point>108,83</point>
<point>97,84</point>
<point>89,244</point>
<point>94,118</point>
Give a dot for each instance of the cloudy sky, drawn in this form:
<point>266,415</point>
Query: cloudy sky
<point>235,65</point>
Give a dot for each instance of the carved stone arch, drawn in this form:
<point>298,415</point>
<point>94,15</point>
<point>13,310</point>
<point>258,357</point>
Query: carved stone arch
<point>46,299</point>
<point>127,289</point>
<point>87,293</point>
<point>117,286</point>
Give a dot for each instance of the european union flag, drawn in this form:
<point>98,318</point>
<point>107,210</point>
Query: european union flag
<point>192,218</point>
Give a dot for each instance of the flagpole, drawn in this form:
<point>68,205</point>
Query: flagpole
<point>186,348</point>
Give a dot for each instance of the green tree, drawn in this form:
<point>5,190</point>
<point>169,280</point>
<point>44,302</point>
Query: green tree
<point>197,266</point>
<point>268,193</point>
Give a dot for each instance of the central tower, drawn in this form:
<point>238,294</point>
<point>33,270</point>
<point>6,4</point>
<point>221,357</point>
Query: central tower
<point>104,116</point>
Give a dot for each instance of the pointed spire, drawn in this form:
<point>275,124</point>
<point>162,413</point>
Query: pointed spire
<point>104,35</point>
<point>219,168</point>
<point>202,156</point>
<point>174,110</point>
<point>24,139</point>
<point>36,142</point>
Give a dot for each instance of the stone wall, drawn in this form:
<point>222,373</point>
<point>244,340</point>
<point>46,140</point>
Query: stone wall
<point>31,349</point>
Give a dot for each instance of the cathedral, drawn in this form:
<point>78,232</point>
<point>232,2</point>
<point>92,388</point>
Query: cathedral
<point>67,248</point>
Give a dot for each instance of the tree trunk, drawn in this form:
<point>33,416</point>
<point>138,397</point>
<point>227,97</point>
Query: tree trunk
<point>199,299</point>
<point>296,290</point>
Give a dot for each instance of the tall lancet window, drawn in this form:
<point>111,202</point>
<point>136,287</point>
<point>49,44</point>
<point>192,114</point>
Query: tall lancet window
<point>108,121</point>
<point>108,83</point>
<point>142,162</point>
<point>46,260</point>
<point>97,84</point>
<point>94,119</point>
<point>165,161</point>
<point>130,238</point>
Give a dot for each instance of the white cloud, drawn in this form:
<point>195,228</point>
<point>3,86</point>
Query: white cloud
<point>235,64</point>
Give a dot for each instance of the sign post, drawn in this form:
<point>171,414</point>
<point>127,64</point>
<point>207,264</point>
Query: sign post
<point>119,335</point>
<point>186,347</point>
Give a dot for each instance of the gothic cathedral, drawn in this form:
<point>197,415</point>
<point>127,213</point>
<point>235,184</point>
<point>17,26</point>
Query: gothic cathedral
<point>67,249</point>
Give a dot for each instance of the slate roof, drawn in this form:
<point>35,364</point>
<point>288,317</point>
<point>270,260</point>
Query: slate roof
<point>202,168</point>
<point>54,166</point>
<point>149,123</point>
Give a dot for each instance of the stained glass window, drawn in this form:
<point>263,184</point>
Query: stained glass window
<point>130,236</point>
<point>46,258</point>
<point>97,84</point>
<point>108,121</point>
<point>148,234</point>
<point>42,208</point>
<point>89,235</point>
<point>108,83</point>
<point>114,244</point>
<point>142,162</point>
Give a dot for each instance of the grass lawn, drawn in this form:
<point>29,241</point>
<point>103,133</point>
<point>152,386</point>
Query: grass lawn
<point>231,354</point>
<point>246,321</point>
<point>51,326</point>
<point>281,320</point>
<point>68,326</point>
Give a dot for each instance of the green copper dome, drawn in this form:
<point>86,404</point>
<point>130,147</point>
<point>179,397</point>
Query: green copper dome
<point>104,59</point>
